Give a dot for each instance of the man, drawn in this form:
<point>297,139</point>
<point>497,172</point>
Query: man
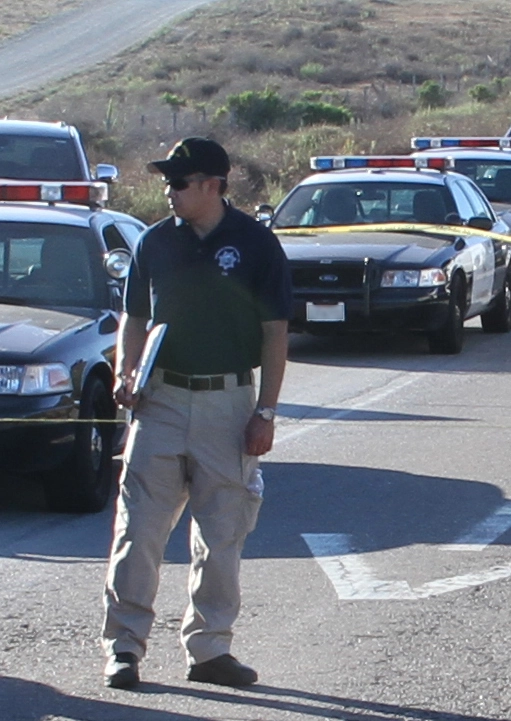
<point>220,282</point>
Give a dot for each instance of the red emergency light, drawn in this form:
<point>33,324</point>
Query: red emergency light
<point>81,193</point>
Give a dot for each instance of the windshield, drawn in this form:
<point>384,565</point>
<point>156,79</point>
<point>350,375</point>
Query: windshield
<point>45,264</point>
<point>28,157</point>
<point>492,176</point>
<point>364,202</point>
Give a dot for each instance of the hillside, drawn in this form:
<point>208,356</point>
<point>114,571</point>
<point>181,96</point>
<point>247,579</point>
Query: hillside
<point>370,56</point>
<point>16,17</point>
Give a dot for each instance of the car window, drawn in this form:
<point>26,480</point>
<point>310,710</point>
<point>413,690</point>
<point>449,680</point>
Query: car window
<point>114,238</point>
<point>25,157</point>
<point>130,231</point>
<point>465,210</point>
<point>364,202</point>
<point>492,176</point>
<point>46,264</point>
<point>478,203</point>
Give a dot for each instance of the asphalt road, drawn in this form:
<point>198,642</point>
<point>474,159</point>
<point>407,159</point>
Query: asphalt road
<point>375,587</point>
<point>74,40</point>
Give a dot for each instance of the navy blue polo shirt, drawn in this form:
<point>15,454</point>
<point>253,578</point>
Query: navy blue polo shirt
<point>213,293</point>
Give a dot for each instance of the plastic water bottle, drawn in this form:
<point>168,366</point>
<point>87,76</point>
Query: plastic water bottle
<point>256,483</point>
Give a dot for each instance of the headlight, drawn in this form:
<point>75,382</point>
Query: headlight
<point>413,278</point>
<point>34,380</point>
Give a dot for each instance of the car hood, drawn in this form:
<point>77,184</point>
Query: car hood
<point>26,330</point>
<point>382,246</point>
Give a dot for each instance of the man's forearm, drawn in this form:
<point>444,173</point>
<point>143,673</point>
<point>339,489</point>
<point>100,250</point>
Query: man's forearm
<point>273,361</point>
<point>130,342</point>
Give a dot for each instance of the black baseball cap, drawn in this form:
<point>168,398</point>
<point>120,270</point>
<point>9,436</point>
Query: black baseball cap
<point>193,155</point>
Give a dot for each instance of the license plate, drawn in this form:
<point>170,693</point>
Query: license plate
<point>322,313</point>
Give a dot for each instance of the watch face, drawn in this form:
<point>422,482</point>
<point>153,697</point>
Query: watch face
<point>267,414</point>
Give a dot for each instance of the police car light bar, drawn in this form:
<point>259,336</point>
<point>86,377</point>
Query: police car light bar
<point>343,162</point>
<point>80,193</point>
<point>437,143</point>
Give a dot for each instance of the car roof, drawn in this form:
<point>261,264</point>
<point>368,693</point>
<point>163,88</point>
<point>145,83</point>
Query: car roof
<point>61,213</point>
<point>34,127</point>
<point>386,175</point>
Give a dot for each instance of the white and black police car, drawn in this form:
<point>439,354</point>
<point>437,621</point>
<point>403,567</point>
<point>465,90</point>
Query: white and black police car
<point>485,160</point>
<point>381,243</point>
<point>63,258</point>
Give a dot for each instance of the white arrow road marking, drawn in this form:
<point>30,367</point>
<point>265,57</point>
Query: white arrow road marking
<point>352,578</point>
<point>485,532</point>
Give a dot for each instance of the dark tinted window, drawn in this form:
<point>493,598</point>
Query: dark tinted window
<point>26,157</point>
<point>45,264</point>
<point>492,176</point>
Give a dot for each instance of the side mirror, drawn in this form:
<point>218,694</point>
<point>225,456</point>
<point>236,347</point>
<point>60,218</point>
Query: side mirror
<point>264,213</point>
<point>481,223</point>
<point>107,173</point>
<point>117,263</point>
<point>453,219</point>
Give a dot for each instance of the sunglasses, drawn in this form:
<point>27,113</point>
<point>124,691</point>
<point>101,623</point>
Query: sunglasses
<point>184,183</point>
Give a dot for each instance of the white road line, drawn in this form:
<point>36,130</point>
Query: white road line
<point>353,579</point>
<point>483,533</point>
<point>372,397</point>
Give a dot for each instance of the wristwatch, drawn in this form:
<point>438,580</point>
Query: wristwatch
<point>267,414</point>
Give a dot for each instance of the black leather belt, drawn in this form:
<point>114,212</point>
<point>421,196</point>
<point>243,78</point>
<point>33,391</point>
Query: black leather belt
<point>204,383</point>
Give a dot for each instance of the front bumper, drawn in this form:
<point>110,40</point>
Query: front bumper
<point>31,437</point>
<point>387,309</point>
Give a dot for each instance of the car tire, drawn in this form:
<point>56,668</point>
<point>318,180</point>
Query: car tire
<point>82,484</point>
<point>448,339</point>
<point>498,319</point>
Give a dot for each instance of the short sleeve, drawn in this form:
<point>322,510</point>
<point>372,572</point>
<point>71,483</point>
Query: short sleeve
<point>274,294</point>
<point>137,293</point>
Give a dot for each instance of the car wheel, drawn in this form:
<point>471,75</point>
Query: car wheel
<point>498,319</point>
<point>82,484</point>
<point>448,339</point>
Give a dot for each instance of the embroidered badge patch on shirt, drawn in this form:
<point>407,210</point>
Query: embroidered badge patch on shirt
<point>227,257</point>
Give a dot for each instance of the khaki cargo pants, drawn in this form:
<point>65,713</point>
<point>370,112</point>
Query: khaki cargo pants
<point>184,447</point>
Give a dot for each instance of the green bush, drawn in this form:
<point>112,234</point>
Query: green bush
<point>257,110</point>
<point>482,93</point>
<point>316,113</point>
<point>431,95</point>
<point>311,71</point>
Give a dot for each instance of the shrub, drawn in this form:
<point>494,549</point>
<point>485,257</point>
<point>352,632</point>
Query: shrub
<point>315,113</point>
<point>311,71</point>
<point>482,93</point>
<point>256,110</point>
<point>431,95</point>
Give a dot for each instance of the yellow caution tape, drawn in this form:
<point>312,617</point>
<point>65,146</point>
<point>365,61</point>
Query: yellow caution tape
<point>456,230</point>
<point>61,420</point>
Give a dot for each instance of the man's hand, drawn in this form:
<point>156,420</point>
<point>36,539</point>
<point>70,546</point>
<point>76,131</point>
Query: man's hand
<point>122,391</point>
<point>258,436</point>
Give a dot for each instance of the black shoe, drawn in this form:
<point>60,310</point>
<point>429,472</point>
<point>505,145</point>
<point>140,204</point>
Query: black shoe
<point>121,670</point>
<point>223,670</point>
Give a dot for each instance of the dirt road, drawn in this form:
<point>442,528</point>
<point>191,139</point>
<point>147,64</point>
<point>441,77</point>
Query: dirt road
<point>71,41</point>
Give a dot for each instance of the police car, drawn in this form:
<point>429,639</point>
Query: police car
<point>62,262</point>
<point>486,160</point>
<point>380,243</point>
<point>35,150</point>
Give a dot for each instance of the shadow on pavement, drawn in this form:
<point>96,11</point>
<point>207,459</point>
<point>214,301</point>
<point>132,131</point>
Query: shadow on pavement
<point>22,700</point>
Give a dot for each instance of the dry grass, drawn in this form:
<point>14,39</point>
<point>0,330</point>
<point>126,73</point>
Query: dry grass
<point>16,17</point>
<point>369,54</point>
